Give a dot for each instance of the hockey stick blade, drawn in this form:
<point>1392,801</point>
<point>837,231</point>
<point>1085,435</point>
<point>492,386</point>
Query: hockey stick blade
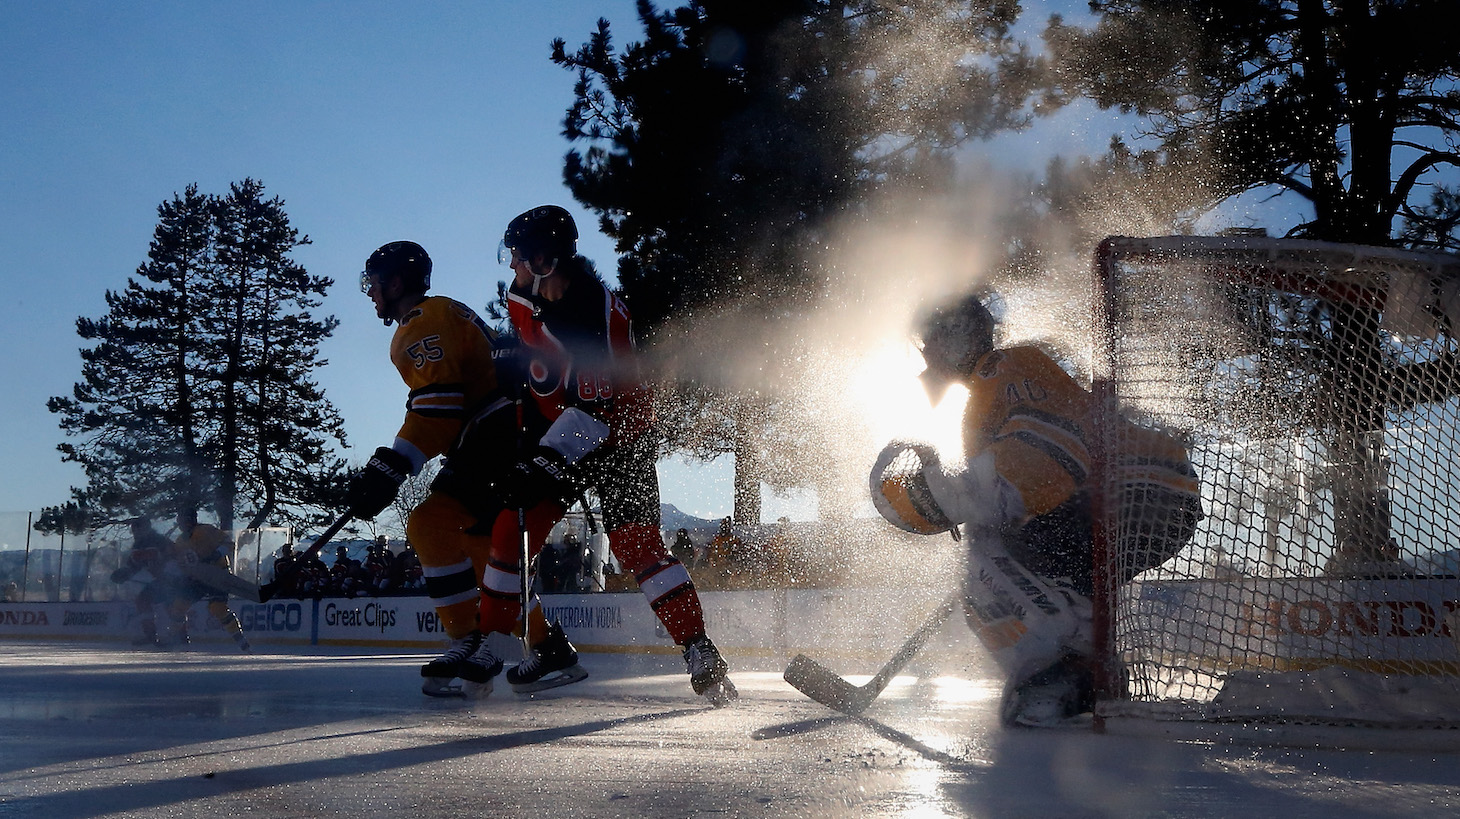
<point>823,685</point>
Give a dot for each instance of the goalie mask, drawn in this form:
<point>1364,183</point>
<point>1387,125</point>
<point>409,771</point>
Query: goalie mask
<point>900,491</point>
<point>952,339</point>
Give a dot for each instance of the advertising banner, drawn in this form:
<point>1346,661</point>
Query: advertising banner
<point>829,623</point>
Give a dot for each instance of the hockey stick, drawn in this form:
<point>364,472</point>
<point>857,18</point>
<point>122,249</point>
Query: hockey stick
<point>823,685</point>
<point>524,579</point>
<point>593,534</point>
<point>271,588</point>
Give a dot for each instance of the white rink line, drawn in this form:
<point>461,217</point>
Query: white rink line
<point>109,732</point>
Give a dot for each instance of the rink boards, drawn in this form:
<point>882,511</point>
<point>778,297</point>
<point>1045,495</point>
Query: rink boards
<point>1403,624</point>
<point>826,622</point>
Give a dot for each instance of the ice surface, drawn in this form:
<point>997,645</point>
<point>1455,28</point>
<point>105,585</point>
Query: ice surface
<point>107,731</point>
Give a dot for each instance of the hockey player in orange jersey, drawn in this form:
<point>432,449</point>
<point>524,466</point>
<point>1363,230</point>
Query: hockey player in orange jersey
<point>456,407</point>
<point>593,420</point>
<point>1021,491</point>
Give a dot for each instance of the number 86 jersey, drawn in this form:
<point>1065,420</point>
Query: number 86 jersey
<point>580,354</point>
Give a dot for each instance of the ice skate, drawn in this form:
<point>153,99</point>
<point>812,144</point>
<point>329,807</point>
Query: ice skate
<point>477,671</point>
<point>439,675</point>
<point>1052,697</point>
<point>550,664</point>
<point>707,672</point>
<point>176,641</point>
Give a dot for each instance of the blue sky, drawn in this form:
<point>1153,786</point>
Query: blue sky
<point>373,121</point>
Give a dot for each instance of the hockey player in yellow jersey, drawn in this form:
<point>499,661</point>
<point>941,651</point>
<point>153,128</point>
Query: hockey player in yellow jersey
<point>456,407</point>
<point>206,546</point>
<point>1021,493</point>
<point>180,573</point>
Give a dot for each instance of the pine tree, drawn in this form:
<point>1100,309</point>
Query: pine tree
<point>1353,107</point>
<point>195,394</point>
<point>275,424</point>
<point>134,411</point>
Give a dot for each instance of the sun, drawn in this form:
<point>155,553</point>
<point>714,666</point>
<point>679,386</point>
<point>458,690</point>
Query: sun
<point>886,394</point>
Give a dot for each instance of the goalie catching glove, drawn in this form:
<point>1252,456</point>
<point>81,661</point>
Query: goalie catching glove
<point>912,491</point>
<point>376,484</point>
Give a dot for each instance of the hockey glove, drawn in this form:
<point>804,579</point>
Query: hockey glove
<point>535,479</point>
<point>375,485</point>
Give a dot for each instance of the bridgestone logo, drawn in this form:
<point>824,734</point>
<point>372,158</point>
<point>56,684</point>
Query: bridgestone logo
<point>84,618</point>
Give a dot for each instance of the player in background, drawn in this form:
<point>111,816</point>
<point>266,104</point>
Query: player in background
<point>456,407</point>
<point>205,545</point>
<point>592,426</point>
<point>169,566</point>
<point>1022,494</point>
<point>149,557</point>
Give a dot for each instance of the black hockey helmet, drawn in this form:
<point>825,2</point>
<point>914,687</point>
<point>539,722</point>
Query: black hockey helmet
<point>952,338</point>
<point>406,261</point>
<point>546,229</point>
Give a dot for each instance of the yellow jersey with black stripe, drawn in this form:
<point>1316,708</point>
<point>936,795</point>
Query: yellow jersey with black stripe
<point>206,544</point>
<point>1033,417</point>
<point>443,352</point>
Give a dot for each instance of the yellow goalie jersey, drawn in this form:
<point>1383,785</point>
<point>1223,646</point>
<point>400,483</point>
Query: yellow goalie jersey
<point>443,352</point>
<point>1032,416</point>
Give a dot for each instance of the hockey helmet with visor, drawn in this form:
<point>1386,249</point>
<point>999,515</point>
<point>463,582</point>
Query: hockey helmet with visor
<point>952,338</point>
<point>406,262</point>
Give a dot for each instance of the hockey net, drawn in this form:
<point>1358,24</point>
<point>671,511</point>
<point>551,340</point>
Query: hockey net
<point>1317,388</point>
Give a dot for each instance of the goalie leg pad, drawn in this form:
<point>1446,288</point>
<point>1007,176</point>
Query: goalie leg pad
<point>1025,622</point>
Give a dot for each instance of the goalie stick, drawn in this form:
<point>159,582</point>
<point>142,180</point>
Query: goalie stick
<point>823,685</point>
<point>271,588</point>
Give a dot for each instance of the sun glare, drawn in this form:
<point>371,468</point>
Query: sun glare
<point>888,396</point>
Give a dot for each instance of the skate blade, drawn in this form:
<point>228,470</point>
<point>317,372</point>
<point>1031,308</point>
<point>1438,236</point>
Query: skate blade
<point>1077,721</point>
<point>558,679</point>
<point>476,690</point>
<point>435,687</point>
<point>721,693</point>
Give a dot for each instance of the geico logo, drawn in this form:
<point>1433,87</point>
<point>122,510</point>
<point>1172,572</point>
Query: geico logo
<point>271,616</point>
<point>372,616</point>
<point>1367,618</point>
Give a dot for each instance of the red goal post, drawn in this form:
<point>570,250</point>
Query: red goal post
<point>1317,387</point>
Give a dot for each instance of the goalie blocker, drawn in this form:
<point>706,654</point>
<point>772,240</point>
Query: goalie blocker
<point>1028,624</point>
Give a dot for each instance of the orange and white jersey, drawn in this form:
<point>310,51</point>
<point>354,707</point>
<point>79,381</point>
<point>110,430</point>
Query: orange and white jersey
<point>580,355</point>
<point>1033,418</point>
<point>443,352</point>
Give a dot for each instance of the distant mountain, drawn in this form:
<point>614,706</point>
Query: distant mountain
<point>672,520</point>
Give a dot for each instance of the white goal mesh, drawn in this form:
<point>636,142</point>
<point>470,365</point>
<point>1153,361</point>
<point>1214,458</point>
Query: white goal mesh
<point>1318,390</point>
